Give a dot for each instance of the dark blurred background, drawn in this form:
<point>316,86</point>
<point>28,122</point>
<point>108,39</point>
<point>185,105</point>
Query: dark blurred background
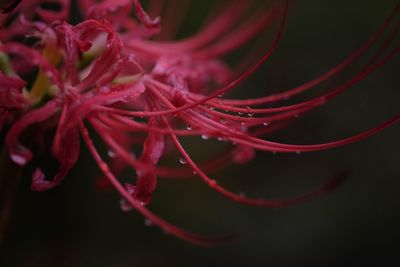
<point>357,225</point>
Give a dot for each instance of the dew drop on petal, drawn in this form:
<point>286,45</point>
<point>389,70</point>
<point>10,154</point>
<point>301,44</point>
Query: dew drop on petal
<point>104,89</point>
<point>266,123</point>
<point>20,155</point>
<point>20,160</point>
<point>189,127</point>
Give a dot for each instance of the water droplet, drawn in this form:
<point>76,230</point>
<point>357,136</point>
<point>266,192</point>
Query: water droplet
<point>148,222</point>
<point>221,95</point>
<point>204,136</point>
<point>20,155</point>
<point>18,159</point>
<point>188,127</point>
<point>222,121</point>
<point>250,114</point>
<point>194,172</point>
<point>124,205</point>
<point>111,154</point>
<point>266,123</point>
<point>182,161</point>
<point>104,89</point>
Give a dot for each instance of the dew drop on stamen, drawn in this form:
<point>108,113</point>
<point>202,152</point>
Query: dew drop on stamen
<point>250,114</point>
<point>124,205</point>
<point>148,222</point>
<point>182,161</point>
<point>204,136</point>
<point>111,154</point>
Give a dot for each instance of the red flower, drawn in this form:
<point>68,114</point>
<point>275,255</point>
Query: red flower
<point>110,72</point>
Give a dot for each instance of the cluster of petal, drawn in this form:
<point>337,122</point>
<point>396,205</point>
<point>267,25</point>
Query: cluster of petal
<point>111,72</point>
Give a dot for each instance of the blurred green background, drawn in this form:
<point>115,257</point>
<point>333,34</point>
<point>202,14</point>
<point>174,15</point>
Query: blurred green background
<point>357,225</point>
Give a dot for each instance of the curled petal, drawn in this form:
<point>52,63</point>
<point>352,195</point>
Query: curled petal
<point>11,92</point>
<point>40,184</point>
<point>144,18</point>
<point>153,149</point>
<point>18,153</point>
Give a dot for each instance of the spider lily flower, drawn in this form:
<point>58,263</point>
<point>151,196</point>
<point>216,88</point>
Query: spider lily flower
<point>110,72</point>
